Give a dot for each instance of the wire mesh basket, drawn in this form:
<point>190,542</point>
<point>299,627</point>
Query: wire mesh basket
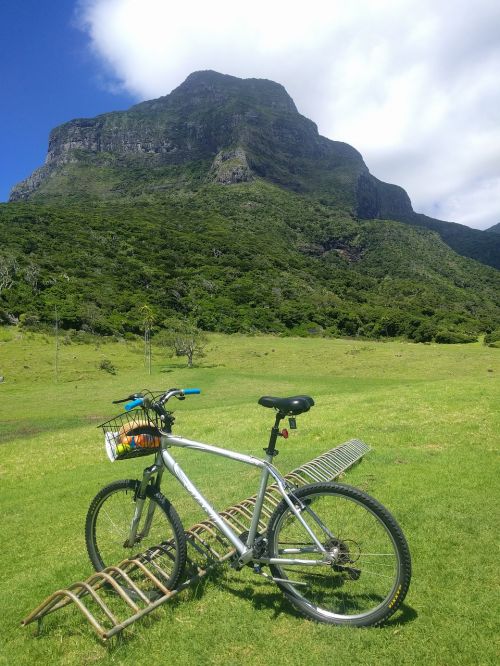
<point>131,435</point>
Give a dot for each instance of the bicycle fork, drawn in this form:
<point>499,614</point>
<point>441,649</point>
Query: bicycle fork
<point>135,536</point>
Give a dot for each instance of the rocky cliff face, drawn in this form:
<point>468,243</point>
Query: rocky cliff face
<point>233,130</point>
<point>378,200</point>
<point>231,166</point>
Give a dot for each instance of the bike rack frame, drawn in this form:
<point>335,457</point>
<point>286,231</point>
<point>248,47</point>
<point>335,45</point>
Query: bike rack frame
<point>207,548</point>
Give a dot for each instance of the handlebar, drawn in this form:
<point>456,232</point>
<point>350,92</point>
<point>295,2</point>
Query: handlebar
<point>134,403</point>
<point>139,400</point>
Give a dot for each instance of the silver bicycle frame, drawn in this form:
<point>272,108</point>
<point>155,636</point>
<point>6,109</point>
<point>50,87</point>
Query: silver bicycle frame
<point>245,550</point>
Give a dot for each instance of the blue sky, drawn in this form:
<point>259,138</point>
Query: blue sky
<point>48,75</point>
<point>411,84</point>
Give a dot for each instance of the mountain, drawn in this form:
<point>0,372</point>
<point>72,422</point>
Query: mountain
<point>495,229</point>
<point>221,202</point>
<point>218,128</point>
<point>484,246</point>
<point>212,127</point>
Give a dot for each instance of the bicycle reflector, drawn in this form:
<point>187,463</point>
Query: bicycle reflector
<point>284,433</point>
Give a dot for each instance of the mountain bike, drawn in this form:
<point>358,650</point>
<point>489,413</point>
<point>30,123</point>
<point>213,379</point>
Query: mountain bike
<point>336,553</point>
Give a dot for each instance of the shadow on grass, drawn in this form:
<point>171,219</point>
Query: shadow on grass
<point>71,624</point>
<point>271,599</point>
<point>277,602</point>
<point>404,615</point>
<point>194,592</point>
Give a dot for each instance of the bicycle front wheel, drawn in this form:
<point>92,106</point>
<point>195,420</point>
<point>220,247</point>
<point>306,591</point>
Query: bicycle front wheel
<point>159,540</point>
<point>368,573</point>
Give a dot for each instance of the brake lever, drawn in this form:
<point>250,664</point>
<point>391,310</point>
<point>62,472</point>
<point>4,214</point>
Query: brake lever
<point>134,396</point>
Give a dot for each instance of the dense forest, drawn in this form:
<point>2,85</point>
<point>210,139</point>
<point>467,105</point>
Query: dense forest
<point>252,257</point>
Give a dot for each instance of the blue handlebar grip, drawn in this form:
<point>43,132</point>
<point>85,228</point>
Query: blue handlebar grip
<point>191,391</point>
<point>134,403</point>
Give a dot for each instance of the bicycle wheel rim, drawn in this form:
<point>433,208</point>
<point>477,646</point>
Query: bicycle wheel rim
<point>109,527</point>
<point>365,583</point>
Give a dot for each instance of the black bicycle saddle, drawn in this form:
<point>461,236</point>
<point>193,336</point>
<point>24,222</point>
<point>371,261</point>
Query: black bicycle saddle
<point>292,406</point>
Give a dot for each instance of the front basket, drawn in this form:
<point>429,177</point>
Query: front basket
<point>130,435</point>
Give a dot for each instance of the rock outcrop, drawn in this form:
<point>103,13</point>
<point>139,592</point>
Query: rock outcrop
<point>231,166</point>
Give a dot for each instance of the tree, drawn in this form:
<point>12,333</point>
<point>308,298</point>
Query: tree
<point>91,315</point>
<point>148,319</point>
<point>8,269</point>
<point>32,275</point>
<point>183,338</point>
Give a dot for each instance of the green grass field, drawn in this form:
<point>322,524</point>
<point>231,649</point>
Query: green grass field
<point>430,413</point>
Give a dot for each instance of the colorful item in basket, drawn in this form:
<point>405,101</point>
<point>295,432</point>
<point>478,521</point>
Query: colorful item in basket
<point>140,441</point>
<point>137,435</point>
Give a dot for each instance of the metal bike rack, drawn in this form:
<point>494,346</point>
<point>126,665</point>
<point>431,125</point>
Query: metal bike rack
<point>123,586</point>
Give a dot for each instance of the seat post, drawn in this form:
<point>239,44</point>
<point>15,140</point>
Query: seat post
<point>275,433</point>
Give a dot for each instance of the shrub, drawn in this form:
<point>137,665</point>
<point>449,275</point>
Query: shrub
<point>425,332</point>
<point>307,329</point>
<point>454,337</point>
<point>493,338</point>
<point>30,322</point>
<point>82,337</point>
<point>8,319</point>
<point>183,338</point>
<point>107,366</point>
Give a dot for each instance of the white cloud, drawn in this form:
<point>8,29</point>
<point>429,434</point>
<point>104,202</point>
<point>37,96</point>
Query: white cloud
<point>412,84</point>
<point>463,206</point>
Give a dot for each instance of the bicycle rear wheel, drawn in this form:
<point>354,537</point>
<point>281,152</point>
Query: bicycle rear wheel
<point>371,569</point>
<point>162,542</point>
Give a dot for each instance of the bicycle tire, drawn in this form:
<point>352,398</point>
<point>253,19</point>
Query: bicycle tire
<point>107,528</point>
<point>371,575</point>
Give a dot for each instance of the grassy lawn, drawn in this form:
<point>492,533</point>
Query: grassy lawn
<point>430,413</point>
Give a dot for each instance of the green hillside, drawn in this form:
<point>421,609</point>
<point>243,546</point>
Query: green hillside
<point>484,246</point>
<point>251,257</point>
